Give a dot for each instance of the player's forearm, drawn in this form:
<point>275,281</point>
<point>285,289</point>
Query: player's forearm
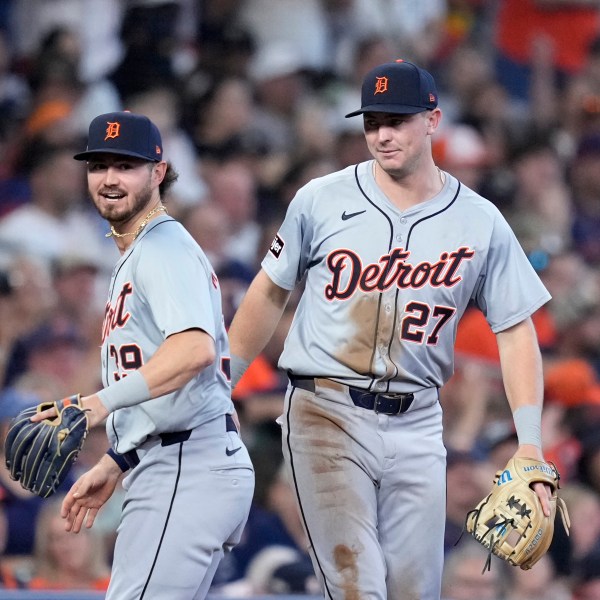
<point>177,361</point>
<point>179,358</point>
<point>257,317</point>
<point>521,363</point>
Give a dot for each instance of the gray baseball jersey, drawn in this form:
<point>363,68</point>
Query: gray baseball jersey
<point>163,285</point>
<point>385,289</point>
<point>191,484</point>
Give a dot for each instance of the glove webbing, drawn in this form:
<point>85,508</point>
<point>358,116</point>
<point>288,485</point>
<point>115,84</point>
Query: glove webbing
<point>488,562</point>
<point>493,543</point>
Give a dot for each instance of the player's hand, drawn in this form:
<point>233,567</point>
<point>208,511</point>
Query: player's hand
<point>49,413</point>
<point>95,411</point>
<point>89,493</point>
<point>543,490</point>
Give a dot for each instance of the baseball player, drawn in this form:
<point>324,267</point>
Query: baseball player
<point>391,251</point>
<point>165,368</point>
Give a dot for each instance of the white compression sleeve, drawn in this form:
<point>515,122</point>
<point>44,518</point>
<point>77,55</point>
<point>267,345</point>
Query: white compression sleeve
<point>528,423</point>
<point>128,391</point>
<point>238,368</point>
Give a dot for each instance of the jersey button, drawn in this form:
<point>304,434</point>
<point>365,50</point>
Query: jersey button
<point>398,238</point>
<point>403,221</point>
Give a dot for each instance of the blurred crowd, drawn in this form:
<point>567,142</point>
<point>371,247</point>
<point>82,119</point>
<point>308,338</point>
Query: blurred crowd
<point>250,96</point>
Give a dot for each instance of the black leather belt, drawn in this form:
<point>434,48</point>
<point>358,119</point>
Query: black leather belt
<point>173,437</point>
<point>387,404</point>
<point>230,424</point>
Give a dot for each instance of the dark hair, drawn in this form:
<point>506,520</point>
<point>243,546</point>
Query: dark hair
<point>170,178</point>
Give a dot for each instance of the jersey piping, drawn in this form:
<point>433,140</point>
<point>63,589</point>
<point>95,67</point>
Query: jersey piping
<point>112,289</point>
<point>391,343</point>
<point>435,214</point>
<point>387,218</point>
<point>297,491</point>
<point>162,535</point>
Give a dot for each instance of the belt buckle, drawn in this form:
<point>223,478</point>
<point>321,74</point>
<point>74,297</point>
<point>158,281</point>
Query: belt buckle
<point>403,402</point>
<point>377,405</point>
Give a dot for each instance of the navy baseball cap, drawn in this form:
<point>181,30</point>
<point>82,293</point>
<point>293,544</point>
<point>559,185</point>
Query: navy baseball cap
<point>123,133</point>
<point>398,87</point>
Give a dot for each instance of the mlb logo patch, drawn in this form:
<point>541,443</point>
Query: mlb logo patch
<point>276,246</point>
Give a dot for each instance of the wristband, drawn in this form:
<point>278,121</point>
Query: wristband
<point>528,424</point>
<point>119,459</point>
<point>128,391</point>
<point>238,368</point>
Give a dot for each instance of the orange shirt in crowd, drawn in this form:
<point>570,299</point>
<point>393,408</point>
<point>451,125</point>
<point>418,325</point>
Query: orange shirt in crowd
<point>8,581</point>
<point>571,29</point>
<point>40,583</point>
<point>475,338</point>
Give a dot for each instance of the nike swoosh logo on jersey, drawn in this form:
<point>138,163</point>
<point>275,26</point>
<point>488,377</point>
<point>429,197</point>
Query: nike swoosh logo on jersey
<point>346,216</point>
<point>232,452</point>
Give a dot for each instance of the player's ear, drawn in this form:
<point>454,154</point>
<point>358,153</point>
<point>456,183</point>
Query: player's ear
<point>159,171</point>
<point>433,120</point>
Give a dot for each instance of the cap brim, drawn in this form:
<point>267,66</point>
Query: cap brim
<point>395,109</point>
<point>85,155</point>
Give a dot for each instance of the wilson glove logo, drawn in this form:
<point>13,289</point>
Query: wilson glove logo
<point>541,467</point>
<point>504,478</point>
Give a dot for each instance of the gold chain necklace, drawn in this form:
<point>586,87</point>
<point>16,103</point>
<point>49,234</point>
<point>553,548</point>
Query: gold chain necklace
<point>141,226</point>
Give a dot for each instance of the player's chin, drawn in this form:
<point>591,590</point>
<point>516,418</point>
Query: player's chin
<point>111,211</point>
<point>390,159</point>
<point>395,168</point>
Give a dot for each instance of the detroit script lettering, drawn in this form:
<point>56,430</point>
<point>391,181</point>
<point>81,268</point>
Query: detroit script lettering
<point>116,316</point>
<point>392,269</point>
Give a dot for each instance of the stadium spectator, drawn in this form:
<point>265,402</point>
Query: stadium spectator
<point>521,24</point>
<point>259,124</point>
<point>463,578</point>
<point>539,583</point>
<point>161,104</point>
<point>55,221</point>
<point>585,180</point>
<point>62,561</point>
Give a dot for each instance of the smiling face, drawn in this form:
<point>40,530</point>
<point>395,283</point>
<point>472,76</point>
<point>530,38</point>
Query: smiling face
<point>400,142</point>
<point>123,188</point>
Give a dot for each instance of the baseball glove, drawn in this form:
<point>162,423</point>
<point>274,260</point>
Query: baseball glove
<point>510,521</point>
<point>39,455</point>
